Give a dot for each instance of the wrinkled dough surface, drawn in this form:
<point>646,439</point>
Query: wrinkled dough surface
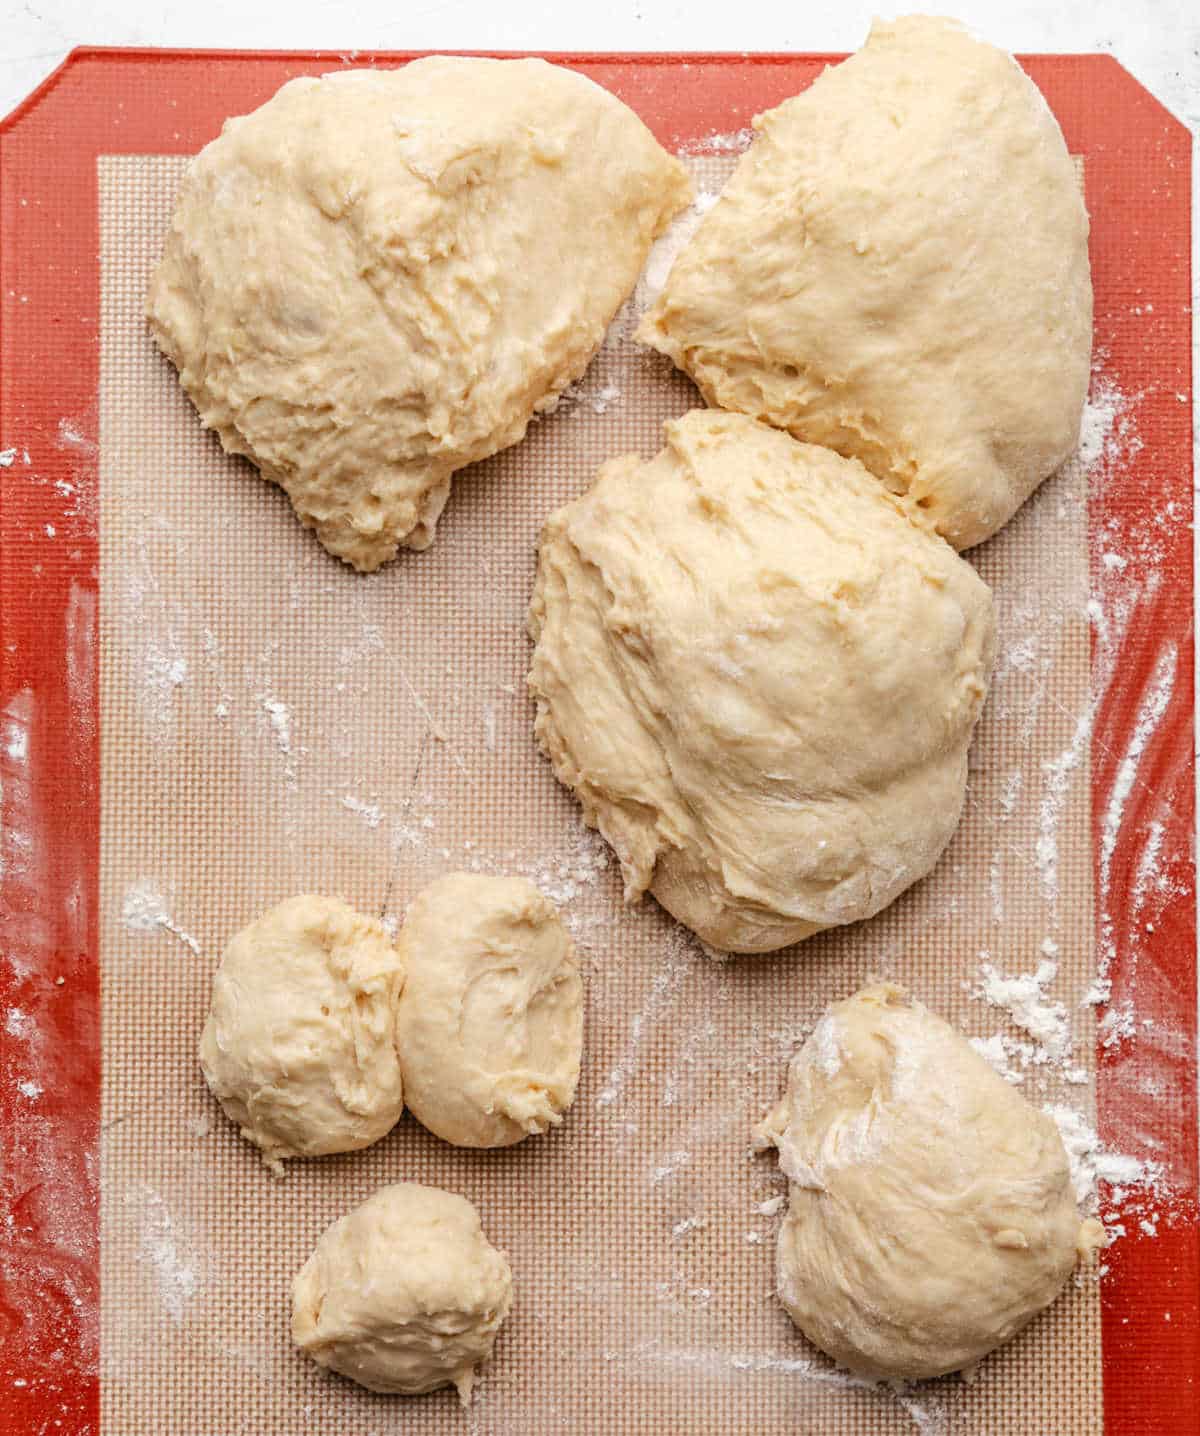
<point>490,1024</point>
<point>300,1042</point>
<point>403,1294</point>
<point>931,1212</point>
<point>898,269</point>
<point>377,277</point>
<point>759,679</point>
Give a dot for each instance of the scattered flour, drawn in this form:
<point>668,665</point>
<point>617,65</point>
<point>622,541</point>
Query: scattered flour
<point>563,878</point>
<point>667,248</point>
<point>674,1164</point>
<point>581,394</point>
<point>30,1090</point>
<point>665,988</point>
<point>1153,706</point>
<point>70,436</point>
<point>1092,1166</point>
<point>370,813</point>
<point>824,1045</point>
<point>164,669</point>
<point>159,1248</point>
<point>998,1050</point>
<point>281,722</point>
<point>732,142</point>
<point>145,910</point>
<point>1024,999</point>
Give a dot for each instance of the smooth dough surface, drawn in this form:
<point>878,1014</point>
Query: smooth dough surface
<point>759,679</point>
<point>898,269</point>
<point>490,1023</point>
<point>379,276</point>
<point>403,1294</point>
<point>931,1213</point>
<point>300,1042</point>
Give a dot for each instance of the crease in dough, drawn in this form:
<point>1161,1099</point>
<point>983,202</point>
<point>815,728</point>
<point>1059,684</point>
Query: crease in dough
<point>299,1046</point>
<point>489,1026</point>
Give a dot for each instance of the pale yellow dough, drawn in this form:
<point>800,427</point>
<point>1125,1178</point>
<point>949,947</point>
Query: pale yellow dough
<point>931,1213</point>
<point>898,269</point>
<point>759,678</point>
<point>490,1024</point>
<point>403,1294</point>
<point>300,1042</point>
<point>379,276</point>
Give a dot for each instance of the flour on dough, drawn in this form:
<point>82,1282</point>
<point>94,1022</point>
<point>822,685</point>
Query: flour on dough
<point>379,277</point>
<point>898,269</point>
<point>403,1294</point>
<point>490,1024</point>
<point>931,1214</point>
<point>759,678</point>
<point>300,1042</point>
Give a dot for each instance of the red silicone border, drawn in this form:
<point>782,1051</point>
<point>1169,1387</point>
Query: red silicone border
<point>129,101</point>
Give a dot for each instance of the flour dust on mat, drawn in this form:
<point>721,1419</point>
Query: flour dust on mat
<point>407,754</point>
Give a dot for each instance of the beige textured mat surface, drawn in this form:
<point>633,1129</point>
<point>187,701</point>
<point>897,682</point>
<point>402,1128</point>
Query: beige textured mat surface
<point>273,723</point>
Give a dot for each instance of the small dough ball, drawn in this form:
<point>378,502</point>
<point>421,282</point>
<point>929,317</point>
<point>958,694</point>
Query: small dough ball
<point>931,1213</point>
<point>300,1043</point>
<point>898,269</point>
<point>380,276</point>
<point>404,1294</point>
<point>490,1024</point>
<point>759,678</point>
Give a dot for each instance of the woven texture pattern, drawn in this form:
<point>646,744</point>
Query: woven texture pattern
<point>273,723</point>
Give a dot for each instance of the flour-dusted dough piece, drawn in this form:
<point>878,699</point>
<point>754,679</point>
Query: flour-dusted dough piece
<point>490,1025</point>
<point>300,1043</point>
<point>759,678</point>
<point>403,1294</point>
<point>931,1213</point>
<point>379,277</point>
<point>898,269</point>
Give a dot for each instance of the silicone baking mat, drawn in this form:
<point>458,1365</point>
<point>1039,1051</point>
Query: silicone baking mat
<point>203,713</point>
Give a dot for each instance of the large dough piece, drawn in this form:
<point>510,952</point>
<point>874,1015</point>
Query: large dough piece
<point>379,276</point>
<point>898,269</point>
<point>759,678</point>
<point>931,1213</point>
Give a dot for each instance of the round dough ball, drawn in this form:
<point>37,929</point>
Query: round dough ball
<point>379,277</point>
<point>898,269</point>
<point>759,678</point>
<point>490,1023</point>
<point>404,1293</point>
<point>931,1213</point>
<point>300,1043</point>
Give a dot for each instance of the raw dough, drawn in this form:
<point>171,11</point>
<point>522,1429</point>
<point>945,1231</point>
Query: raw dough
<point>759,678</point>
<point>490,1024</point>
<point>379,276</point>
<point>898,269</point>
<point>300,1043</point>
<point>404,1293</point>
<point>931,1213</point>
